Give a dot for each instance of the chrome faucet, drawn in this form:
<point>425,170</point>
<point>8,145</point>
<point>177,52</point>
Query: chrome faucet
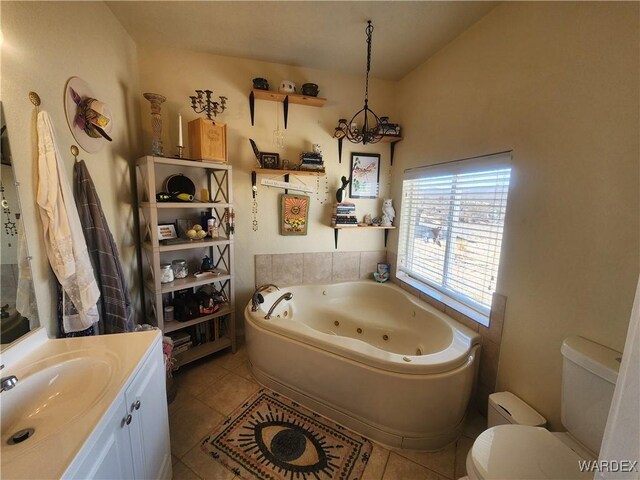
<point>257,299</point>
<point>7,383</point>
<point>284,296</point>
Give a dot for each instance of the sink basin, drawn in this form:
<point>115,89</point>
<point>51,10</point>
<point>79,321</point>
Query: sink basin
<point>52,392</point>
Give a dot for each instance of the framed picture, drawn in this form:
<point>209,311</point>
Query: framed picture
<point>383,268</point>
<point>294,214</point>
<point>365,175</point>
<point>269,160</point>
<point>167,231</point>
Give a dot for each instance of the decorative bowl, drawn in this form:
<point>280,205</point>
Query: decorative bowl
<point>310,89</point>
<point>260,83</point>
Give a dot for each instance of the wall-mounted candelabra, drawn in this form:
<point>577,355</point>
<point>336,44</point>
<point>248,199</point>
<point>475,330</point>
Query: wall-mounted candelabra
<point>202,103</point>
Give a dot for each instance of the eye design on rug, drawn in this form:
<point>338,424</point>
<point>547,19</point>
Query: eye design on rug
<point>289,446</point>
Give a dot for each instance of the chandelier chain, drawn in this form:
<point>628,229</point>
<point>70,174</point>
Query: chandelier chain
<point>369,31</point>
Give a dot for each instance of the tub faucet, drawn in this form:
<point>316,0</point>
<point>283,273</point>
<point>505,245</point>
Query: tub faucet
<point>284,296</point>
<point>257,299</point>
<point>7,383</point>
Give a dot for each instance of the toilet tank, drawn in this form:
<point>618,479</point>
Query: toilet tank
<point>589,374</point>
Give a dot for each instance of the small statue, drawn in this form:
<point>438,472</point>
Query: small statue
<point>340,191</point>
<point>367,219</point>
<point>388,212</point>
<point>317,148</point>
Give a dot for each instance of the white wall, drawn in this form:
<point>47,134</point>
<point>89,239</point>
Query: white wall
<point>176,74</point>
<point>557,83</point>
<point>45,43</point>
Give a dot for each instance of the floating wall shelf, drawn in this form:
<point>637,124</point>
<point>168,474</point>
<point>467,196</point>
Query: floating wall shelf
<point>390,139</point>
<point>285,99</point>
<point>359,228</point>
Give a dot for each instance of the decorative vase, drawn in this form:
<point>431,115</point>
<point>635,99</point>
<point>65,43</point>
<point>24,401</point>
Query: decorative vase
<point>156,121</point>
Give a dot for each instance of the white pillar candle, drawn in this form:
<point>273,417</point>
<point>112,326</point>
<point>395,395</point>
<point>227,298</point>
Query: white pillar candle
<point>180,130</point>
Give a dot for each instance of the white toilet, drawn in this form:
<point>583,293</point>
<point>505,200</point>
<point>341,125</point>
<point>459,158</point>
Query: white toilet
<point>522,452</point>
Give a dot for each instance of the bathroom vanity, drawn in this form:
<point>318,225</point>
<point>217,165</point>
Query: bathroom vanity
<point>92,407</point>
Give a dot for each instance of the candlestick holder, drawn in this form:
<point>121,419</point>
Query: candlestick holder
<point>156,122</point>
<point>203,103</point>
<point>180,149</point>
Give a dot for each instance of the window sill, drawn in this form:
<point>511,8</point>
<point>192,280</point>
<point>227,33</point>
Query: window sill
<point>448,301</point>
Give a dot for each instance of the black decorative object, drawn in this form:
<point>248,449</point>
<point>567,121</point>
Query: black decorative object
<point>340,191</point>
<point>310,89</point>
<point>365,126</point>
<point>260,83</point>
<point>203,103</point>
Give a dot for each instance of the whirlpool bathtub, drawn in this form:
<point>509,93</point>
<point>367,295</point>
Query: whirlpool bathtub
<point>369,356</point>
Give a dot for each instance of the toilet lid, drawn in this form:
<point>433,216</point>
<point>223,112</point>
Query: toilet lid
<point>522,452</point>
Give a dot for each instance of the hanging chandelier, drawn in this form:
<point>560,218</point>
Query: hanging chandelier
<point>365,126</point>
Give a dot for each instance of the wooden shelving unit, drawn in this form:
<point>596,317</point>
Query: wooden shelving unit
<point>285,99</point>
<point>337,229</point>
<point>218,180</point>
<point>273,171</point>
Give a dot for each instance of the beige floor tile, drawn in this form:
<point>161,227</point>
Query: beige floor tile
<point>181,399</point>
<point>232,360</point>
<point>400,468</point>
<point>376,463</point>
<point>441,462</point>
<point>462,448</point>
<point>194,379</point>
<point>475,424</point>
<point>228,393</point>
<point>205,466</point>
<point>244,371</point>
<point>189,424</point>
<point>182,472</point>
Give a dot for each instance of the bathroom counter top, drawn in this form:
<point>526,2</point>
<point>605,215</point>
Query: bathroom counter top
<point>68,386</point>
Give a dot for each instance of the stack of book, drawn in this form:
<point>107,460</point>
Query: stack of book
<point>344,215</point>
<point>181,342</point>
<point>311,161</point>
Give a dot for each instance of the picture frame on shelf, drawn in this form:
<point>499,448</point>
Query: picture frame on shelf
<point>270,160</point>
<point>167,231</point>
<point>365,175</point>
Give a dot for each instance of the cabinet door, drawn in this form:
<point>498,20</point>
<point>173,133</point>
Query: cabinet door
<point>110,456</point>
<point>146,400</point>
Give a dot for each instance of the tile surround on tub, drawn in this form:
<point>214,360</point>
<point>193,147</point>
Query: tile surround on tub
<point>287,269</point>
<point>263,270</point>
<point>318,267</point>
<point>346,266</point>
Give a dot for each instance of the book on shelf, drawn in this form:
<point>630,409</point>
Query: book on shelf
<point>182,348</point>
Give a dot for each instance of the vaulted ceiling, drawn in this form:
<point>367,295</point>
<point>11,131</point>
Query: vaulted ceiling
<point>314,34</point>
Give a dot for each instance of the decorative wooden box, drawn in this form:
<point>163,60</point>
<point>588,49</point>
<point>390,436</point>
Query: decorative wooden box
<point>208,141</point>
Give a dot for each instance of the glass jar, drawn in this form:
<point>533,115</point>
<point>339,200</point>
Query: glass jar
<point>180,269</point>
<point>166,273</point>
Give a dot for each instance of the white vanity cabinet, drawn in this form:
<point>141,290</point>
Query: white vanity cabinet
<point>132,439</point>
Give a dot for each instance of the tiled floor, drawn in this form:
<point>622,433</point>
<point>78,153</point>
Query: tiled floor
<point>210,389</point>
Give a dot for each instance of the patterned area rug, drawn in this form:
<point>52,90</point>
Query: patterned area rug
<point>272,437</point>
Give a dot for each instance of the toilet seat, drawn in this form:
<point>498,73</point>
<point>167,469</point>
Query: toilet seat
<point>522,452</point>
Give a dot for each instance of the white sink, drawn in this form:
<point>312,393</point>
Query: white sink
<point>53,392</point>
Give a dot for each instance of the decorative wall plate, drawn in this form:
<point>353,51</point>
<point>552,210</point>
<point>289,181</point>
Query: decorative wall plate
<point>88,143</point>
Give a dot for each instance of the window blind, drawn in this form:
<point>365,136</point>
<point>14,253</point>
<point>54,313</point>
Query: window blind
<point>452,223</point>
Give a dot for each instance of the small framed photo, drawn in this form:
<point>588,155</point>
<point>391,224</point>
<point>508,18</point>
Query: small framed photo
<point>365,175</point>
<point>167,231</point>
<point>383,268</point>
<point>270,160</point>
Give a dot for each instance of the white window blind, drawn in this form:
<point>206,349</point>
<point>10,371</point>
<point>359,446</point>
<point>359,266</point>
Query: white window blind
<point>451,227</point>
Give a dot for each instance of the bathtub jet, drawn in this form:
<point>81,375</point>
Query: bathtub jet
<point>369,356</point>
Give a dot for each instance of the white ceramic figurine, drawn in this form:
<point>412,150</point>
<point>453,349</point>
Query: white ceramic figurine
<point>388,212</point>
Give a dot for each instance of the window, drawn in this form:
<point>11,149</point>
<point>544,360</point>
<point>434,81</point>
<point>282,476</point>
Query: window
<point>451,229</point>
